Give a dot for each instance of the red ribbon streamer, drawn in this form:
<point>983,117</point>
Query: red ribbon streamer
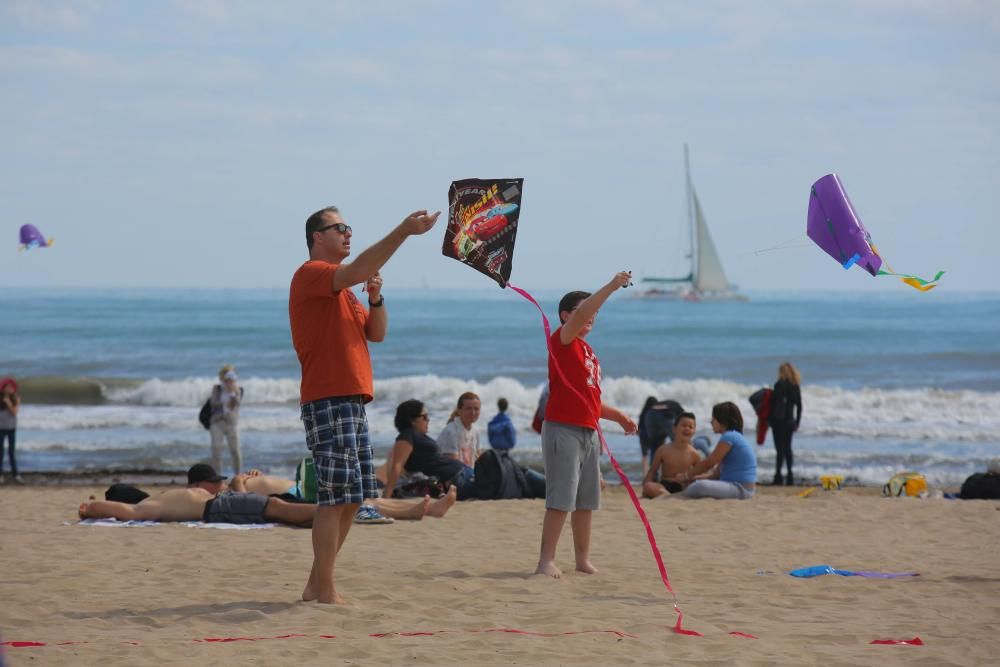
<point>916,641</point>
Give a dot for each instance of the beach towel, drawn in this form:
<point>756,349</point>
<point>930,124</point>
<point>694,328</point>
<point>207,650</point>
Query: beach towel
<point>115,523</point>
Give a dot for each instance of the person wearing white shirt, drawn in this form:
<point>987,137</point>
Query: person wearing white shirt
<point>459,439</point>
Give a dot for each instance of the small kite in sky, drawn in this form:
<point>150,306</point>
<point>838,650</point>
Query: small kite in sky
<point>834,226</point>
<point>32,238</point>
<point>482,224</point>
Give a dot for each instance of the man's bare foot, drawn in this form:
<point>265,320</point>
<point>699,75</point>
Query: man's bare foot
<point>441,506</point>
<point>548,569</point>
<point>309,595</point>
<point>586,567</point>
<point>336,599</point>
<point>83,510</point>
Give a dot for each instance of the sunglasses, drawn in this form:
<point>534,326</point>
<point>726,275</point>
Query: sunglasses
<point>339,226</point>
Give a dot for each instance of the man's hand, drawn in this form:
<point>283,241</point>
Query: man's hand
<point>374,288</point>
<point>419,222</point>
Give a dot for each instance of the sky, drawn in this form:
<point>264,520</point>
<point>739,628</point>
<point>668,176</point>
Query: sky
<point>183,143</point>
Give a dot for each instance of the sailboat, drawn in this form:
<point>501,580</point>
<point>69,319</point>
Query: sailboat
<point>706,280</point>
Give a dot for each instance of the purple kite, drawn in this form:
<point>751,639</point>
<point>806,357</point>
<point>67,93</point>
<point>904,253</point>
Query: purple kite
<point>32,238</point>
<point>834,225</point>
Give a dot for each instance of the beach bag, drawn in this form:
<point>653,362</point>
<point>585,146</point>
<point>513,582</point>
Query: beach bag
<point>981,486</point>
<point>498,477</point>
<point>905,484</point>
<point>418,485</point>
<point>125,493</point>
<point>205,415</point>
<point>305,479</point>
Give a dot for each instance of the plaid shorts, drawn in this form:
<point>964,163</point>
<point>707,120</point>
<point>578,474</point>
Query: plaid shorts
<point>337,436</point>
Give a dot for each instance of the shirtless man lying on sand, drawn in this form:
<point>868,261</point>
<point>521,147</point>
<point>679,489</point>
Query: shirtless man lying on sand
<point>670,460</point>
<point>247,500</point>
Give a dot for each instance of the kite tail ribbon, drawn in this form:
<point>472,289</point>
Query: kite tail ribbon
<point>621,474</point>
<point>913,281</point>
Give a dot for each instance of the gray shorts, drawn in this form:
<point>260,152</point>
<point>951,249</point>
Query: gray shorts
<point>572,467</point>
<point>235,507</point>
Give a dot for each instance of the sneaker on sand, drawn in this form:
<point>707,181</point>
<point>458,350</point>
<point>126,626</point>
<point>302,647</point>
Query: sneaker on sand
<point>369,514</point>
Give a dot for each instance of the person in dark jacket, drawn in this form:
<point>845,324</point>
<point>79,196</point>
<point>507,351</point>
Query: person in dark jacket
<point>786,413</point>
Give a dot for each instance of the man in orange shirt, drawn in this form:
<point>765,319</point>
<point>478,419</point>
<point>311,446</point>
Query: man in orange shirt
<point>330,332</point>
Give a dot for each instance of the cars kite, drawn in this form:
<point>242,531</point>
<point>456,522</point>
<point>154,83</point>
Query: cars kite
<point>834,225</point>
<point>32,238</point>
<point>482,224</point>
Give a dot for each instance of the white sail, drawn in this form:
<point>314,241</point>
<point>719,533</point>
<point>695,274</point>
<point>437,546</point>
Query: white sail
<point>708,273</point>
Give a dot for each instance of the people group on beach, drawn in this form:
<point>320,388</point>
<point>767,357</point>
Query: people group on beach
<point>331,332</point>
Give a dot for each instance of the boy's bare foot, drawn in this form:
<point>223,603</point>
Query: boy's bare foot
<point>441,506</point>
<point>549,569</point>
<point>586,567</point>
<point>310,595</point>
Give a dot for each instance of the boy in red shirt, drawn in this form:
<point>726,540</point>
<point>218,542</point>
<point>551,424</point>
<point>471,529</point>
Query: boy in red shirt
<point>570,444</point>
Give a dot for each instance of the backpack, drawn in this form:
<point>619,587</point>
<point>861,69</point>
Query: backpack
<point>205,414</point>
<point>981,486</point>
<point>498,477</point>
<point>905,484</point>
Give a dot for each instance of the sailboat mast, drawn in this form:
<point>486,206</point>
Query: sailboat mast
<point>692,232</point>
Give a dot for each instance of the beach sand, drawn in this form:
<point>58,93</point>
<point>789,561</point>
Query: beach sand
<point>146,596</point>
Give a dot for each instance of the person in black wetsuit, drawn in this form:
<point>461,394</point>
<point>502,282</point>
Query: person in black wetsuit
<point>786,413</point>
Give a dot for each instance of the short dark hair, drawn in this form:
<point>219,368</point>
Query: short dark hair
<point>406,412</point>
<point>315,221</point>
<point>502,405</point>
<point>728,415</point>
<point>685,415</point>
<point>570,301</point>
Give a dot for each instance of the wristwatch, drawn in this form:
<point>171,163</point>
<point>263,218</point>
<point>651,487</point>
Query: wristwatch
<point>379,303</point>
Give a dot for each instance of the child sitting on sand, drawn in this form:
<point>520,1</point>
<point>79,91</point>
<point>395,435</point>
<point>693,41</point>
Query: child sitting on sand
<point>570,444</point>
<point>672,460</point>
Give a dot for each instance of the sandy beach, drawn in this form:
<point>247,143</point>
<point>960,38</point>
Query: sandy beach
<point>152,595</point>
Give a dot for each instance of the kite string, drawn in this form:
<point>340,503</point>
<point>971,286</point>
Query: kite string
<point>784,245</point>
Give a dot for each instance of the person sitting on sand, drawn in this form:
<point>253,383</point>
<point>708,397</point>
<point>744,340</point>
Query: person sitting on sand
<point>205,499</point>
<point>672,460</point>
<point>733,462</point>
<point>394,508</point>
<point>415,451</point>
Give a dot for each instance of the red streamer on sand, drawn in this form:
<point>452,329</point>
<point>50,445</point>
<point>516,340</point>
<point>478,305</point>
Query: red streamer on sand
<point>916,641</point>
<point>225,640</point>
<point>618,469</point>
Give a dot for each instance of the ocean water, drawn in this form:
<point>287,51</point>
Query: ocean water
<point>113,379</point>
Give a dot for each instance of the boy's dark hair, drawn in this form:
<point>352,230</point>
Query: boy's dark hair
<point>685,415</point>
<point>728,415</point>
<point>502,405</point>
<point>315,221</point>
<point>406,412</point>
<point>569,302</point>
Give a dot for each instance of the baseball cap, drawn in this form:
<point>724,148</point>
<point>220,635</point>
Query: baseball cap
<point>202,472</point>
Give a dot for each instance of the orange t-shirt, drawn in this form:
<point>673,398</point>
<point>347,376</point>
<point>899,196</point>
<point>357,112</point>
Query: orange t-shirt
<point>328,332</point>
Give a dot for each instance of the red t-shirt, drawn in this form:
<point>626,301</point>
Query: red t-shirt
<point>582,371</point>
<point>328,332</point>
